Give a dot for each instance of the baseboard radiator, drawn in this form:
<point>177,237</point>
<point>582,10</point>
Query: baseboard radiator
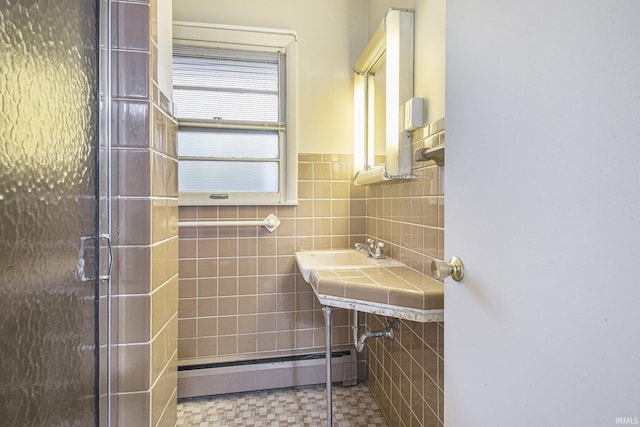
<point>263,374</point>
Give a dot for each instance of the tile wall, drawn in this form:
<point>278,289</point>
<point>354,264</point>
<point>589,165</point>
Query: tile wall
<point>144,225</point>
<point>240,294</point>
<point>406,375</point>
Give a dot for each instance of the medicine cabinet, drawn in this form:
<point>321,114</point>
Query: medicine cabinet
<point>383,82</point>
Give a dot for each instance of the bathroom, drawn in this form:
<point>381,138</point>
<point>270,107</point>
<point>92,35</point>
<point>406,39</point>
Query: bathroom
<point>196,296</point>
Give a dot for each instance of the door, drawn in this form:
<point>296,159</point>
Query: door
<point>543,208</point>
<point>48,125</point>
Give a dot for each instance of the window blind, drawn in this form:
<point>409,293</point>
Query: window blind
<point>228,85</point>
<point>231,111</point>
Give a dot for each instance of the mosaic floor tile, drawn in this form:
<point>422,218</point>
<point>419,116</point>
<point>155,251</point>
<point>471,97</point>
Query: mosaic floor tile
<point>304,406</point>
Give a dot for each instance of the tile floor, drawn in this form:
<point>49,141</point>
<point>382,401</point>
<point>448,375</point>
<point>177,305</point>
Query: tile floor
<point>304,406</point>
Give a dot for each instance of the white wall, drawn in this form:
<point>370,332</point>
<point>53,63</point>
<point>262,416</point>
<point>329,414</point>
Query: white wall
<point>164,47</point>
<point>429,73</point>
<point>330,33</point>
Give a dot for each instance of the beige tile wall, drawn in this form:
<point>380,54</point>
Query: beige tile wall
<point>406,375</point>
<point>144,226</point>
<point>240,294</point>
<point>245,277</point>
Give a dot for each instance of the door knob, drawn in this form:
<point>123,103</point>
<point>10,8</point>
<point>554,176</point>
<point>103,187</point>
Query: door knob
<point>453,268</point>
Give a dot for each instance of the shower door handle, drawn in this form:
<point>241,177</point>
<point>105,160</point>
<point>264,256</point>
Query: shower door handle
<point>88,251</point>
<point>107,276</point>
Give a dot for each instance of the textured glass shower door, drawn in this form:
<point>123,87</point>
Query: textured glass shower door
<point>48,211</point>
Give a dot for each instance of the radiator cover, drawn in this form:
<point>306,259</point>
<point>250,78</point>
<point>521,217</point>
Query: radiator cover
<point>265,374</point>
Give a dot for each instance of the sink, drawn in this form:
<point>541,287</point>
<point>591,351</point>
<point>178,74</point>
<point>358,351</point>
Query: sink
<point>338,259</point>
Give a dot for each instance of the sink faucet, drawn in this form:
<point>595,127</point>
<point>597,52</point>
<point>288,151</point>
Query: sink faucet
<point>373,250</point>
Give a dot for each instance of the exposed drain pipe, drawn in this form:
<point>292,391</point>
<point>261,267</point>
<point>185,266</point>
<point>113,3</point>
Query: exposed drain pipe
<point>360,342</point>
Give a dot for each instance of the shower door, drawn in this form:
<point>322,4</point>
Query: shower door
<point>48,211</point>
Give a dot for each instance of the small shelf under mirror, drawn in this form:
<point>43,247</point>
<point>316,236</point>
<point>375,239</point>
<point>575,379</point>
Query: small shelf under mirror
<point>436,154</point>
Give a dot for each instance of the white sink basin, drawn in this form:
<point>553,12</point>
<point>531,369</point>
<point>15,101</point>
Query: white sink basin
<point>338,259</point>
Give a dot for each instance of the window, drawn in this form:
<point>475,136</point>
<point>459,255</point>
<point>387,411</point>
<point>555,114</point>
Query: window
<point>236,136</point>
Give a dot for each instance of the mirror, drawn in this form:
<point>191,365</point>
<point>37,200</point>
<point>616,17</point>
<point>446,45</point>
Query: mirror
<point>379,107</point>
<point>383,82</point>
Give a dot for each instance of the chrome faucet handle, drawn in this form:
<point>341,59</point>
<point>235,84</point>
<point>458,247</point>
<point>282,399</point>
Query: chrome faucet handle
<point>372,243</point>
<point>379,250</point>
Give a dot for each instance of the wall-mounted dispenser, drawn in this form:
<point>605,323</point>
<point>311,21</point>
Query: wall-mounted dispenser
<point>413,114</point>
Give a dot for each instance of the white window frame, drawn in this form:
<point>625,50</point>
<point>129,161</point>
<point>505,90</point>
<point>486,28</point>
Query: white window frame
<point>251,38</point>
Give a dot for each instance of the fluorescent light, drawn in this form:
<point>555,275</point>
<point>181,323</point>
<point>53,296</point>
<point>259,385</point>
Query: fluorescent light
<point>359,113</point>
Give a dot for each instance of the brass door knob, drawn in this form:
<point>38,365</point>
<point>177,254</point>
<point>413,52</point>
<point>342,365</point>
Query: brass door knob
<point>453,268</point>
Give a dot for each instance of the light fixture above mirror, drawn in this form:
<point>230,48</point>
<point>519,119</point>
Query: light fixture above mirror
<point>389,53</point>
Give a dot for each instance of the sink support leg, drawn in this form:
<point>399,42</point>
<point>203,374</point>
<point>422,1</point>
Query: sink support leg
<point>327,312</point>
